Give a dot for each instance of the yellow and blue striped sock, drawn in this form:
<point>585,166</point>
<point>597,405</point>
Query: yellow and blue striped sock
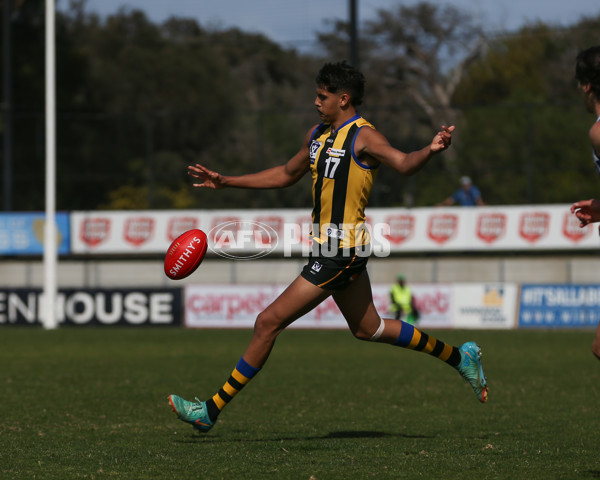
<point>414,339</point>
<point>241,375</point>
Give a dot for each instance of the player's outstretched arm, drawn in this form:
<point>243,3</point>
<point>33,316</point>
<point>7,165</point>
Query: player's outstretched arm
<point>586,211</point>
<point>276,177</point>
<point>373,144</point>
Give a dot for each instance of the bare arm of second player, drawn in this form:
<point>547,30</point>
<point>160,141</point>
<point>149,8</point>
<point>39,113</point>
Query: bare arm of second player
<point>588,211</point>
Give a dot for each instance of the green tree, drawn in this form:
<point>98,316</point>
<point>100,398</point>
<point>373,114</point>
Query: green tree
<point>154,93</point>
<point>524,125</point>
<point>28,97</point>
<point>139,101</point>
<point>415,57</point>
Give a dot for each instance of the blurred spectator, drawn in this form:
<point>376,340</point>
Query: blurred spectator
<point>402,302</point>
<point>468,195</point>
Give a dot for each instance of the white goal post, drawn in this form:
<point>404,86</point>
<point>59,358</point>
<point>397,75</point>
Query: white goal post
<point>50,230</point>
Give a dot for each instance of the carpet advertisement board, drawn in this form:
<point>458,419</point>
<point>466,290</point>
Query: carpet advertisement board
<point>236,306</point>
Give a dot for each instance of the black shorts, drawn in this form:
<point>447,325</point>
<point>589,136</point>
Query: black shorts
<point>334,272</point>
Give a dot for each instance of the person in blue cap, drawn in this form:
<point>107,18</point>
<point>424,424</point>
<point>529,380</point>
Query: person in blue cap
<point>468,195</point>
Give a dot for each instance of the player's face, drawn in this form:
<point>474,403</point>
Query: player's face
<point>328,105</point>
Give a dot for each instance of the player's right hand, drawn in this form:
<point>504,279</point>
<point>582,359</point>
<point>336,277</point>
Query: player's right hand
<point>208,178</point>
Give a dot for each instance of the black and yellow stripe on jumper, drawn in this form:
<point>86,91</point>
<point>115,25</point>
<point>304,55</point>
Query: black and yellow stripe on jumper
<point>241,375</point>
<point>414,339</point>
<point>341,185</point>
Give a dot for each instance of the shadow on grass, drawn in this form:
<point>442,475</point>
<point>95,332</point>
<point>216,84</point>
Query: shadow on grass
<point>366,434</point>
<point>349,434</point>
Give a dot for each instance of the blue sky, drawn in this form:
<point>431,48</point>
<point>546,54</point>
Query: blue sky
<point>295,23</point>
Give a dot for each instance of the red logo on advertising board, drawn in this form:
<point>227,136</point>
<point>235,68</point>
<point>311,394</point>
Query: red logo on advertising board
<point>94,231</point>
<point>442,228</point>
<point>179,225</point>
<point>138,230</point>
<point>572,230</point>
<point>402,228</point>
<point>491,226</point>
<point>534,225</point>
<point>433,302</point>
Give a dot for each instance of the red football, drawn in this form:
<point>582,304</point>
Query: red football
<point>185,254</point>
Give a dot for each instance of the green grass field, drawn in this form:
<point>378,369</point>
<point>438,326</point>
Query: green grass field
<point>92,404</point>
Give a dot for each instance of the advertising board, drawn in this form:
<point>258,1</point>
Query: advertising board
<point>246,234</point>
<point>123,307</point>
<point>559,306</point>
<point>23,233</point>
<point>236,306</point>
<point>484,305</point>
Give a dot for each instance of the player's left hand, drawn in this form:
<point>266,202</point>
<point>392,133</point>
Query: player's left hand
<point>443,139</point>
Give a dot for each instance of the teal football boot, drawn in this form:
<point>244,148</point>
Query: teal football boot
<point>192,412</point>
<point>471,370</point>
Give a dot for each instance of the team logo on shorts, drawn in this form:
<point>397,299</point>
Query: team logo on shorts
<point>316,267</point>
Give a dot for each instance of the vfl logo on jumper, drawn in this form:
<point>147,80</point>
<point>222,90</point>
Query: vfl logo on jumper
<point>316,267</point>
<point>242,240</point>
<point>314,148</point>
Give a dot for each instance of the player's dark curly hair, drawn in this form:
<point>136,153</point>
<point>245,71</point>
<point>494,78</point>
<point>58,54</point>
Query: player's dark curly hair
<point>342,77</point>
<point>587,69</point>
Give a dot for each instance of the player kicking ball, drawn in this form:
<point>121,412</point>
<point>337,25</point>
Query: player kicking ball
<point>343,155</point>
